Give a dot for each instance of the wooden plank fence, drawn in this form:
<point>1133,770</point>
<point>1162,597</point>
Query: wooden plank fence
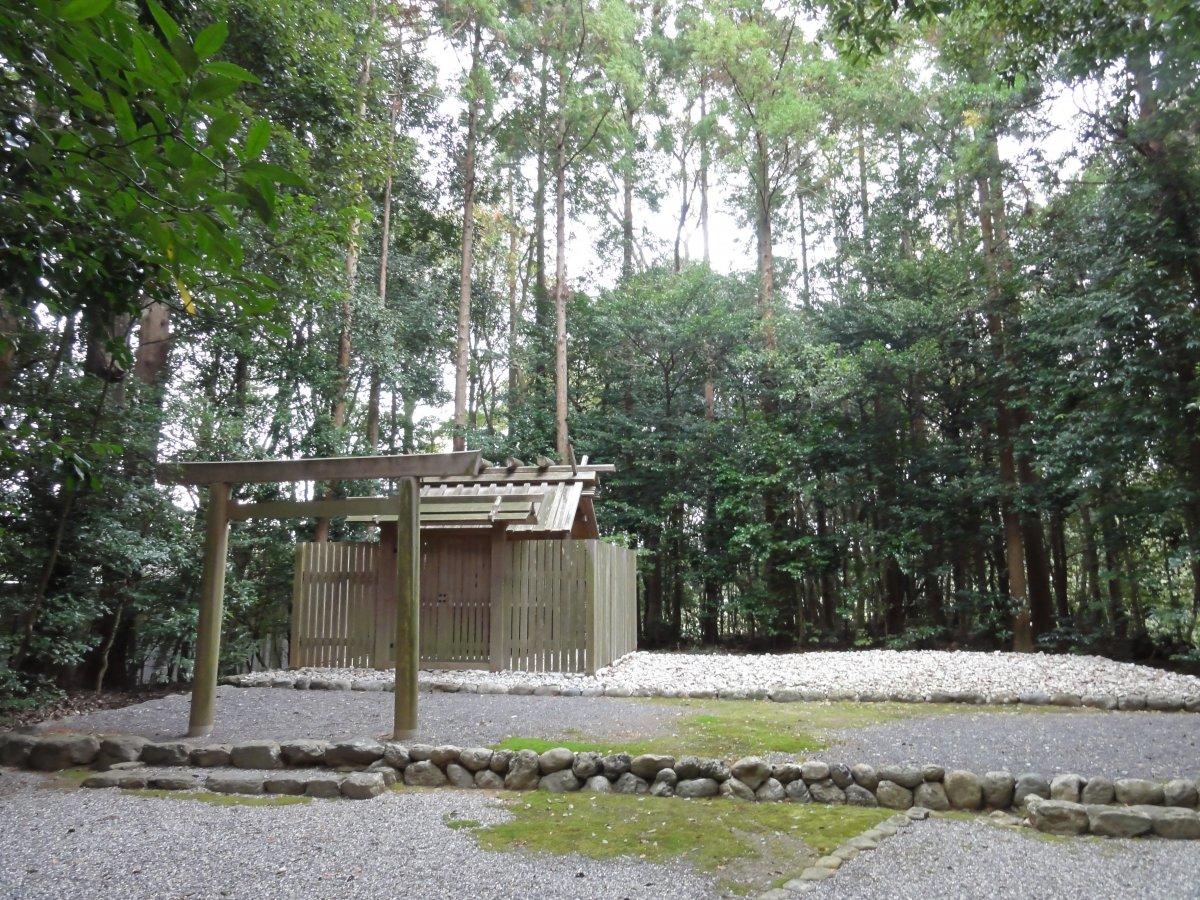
<point>333,604</point>
<point>552,606</point>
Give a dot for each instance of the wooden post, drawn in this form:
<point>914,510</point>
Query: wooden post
<point>498,615</point>
<point>385,596</point>
<point>212,594</point>
<point>408,607</point>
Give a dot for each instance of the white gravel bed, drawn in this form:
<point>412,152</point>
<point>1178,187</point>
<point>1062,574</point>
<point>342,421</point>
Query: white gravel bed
<point>864,674</point>
<point>107,844</point>
<point>949,860</point>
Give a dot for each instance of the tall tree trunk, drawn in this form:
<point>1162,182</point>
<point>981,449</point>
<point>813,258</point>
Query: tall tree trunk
<point>341,390</point>
<point>561,437</point>
<point>514,312</point>
<point>990,210</point>
<point>627,176</point>
<point>462,354</point>
<point>385,248</point>
<point>1058,563</point>
<point>704,164</point>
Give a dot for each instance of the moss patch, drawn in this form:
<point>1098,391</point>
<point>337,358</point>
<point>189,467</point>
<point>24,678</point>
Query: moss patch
<point>456,824</point>
<point>221,799</point>
<point>747,845</point>
<point>732,728</point>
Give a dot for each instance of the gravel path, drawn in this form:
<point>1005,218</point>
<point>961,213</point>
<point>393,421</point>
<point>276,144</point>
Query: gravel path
<point>1133,744</point>
<point>462,719</point>
<point>102,844</point>
<point>883,673</point>
<point>954,859</point>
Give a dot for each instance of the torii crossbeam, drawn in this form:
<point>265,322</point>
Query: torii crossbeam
<point>220,477</point>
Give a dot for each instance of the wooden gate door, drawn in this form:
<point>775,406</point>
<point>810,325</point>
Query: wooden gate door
<point>456,607</point>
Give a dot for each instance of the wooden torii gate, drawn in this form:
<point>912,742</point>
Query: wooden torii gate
<point>220,477</point>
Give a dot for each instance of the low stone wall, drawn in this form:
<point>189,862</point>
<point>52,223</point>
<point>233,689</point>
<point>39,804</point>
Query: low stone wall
<point>1051,803</point>
<point>1155,702</point>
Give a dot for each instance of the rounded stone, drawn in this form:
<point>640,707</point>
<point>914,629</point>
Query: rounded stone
<point>1114,821</point>
<point>62,751</point>
<point>856,795</point>
<point>168,753</point>
<point>841,775</point>
<point>931,795</point>
<point>360,752</point>
<point>1098,790</point>
<point>555,760</point>
<point>737,789</point>
<point>1131,701</point>
<point>697,787</point>
<point>662,789</point>
<point>424,774</point>
<point>444,754</point>
<point>827,792</point>
<point>120,748</point>
<point>933,773</point>
<point>172,782</point>
<point>586,765</point>
<point>256,755</point>
<point>1030,784</point>
<point>489,780</point>
<point>998,790</point>
<point>212,757</point>
<point>501,760</point>
<point>630,784</point>
<point>1065,699</point>
<point>234,784</point>
<point>1058,817</point>
<point>14,749</point>
<point>798,792</point>
<point>523,771</point>
<point>1134,791</point>
<point>1180,792</point>
<point>905,776</point>
<point>475,759</point>
<point>784,773</point>
<point>598,784</point>
<point>865,776</point>
<point>813,770</point>
<point>459,777</point>
<point>363,785</point>
<point>1173,822</point>
<point>103,780</point>
<point>751,771</point>
<point>893,796</point>
<point>770,791</point>
<point>396,756</point>
<point>326,787</point>
<point>615,765</point>
<point>292,785</point>
<point>559,782</point>
<point>647,765</point>
<point>1066,787</point>
<point>964,789</point>
<point>304,752</point>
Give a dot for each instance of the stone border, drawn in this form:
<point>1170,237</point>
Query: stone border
<point>1153,702</point>
<point>827,866</point>
<point>750,778</point>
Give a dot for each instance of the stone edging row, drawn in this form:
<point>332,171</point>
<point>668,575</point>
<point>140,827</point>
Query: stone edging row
<point>1155,702</point>
<point>827,866</point>
<point>1137,805</point>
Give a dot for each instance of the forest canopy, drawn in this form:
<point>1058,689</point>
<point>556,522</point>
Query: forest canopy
<point>887,313</point>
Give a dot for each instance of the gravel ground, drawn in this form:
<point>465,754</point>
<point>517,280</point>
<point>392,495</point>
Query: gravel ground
<point>954,859</point>
<point>1116,744</point>
<point>101,844</point>
<point>462,719</point>
<point>885,672</point>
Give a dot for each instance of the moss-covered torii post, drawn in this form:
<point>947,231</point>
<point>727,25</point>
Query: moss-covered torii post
<point>221,477</point>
